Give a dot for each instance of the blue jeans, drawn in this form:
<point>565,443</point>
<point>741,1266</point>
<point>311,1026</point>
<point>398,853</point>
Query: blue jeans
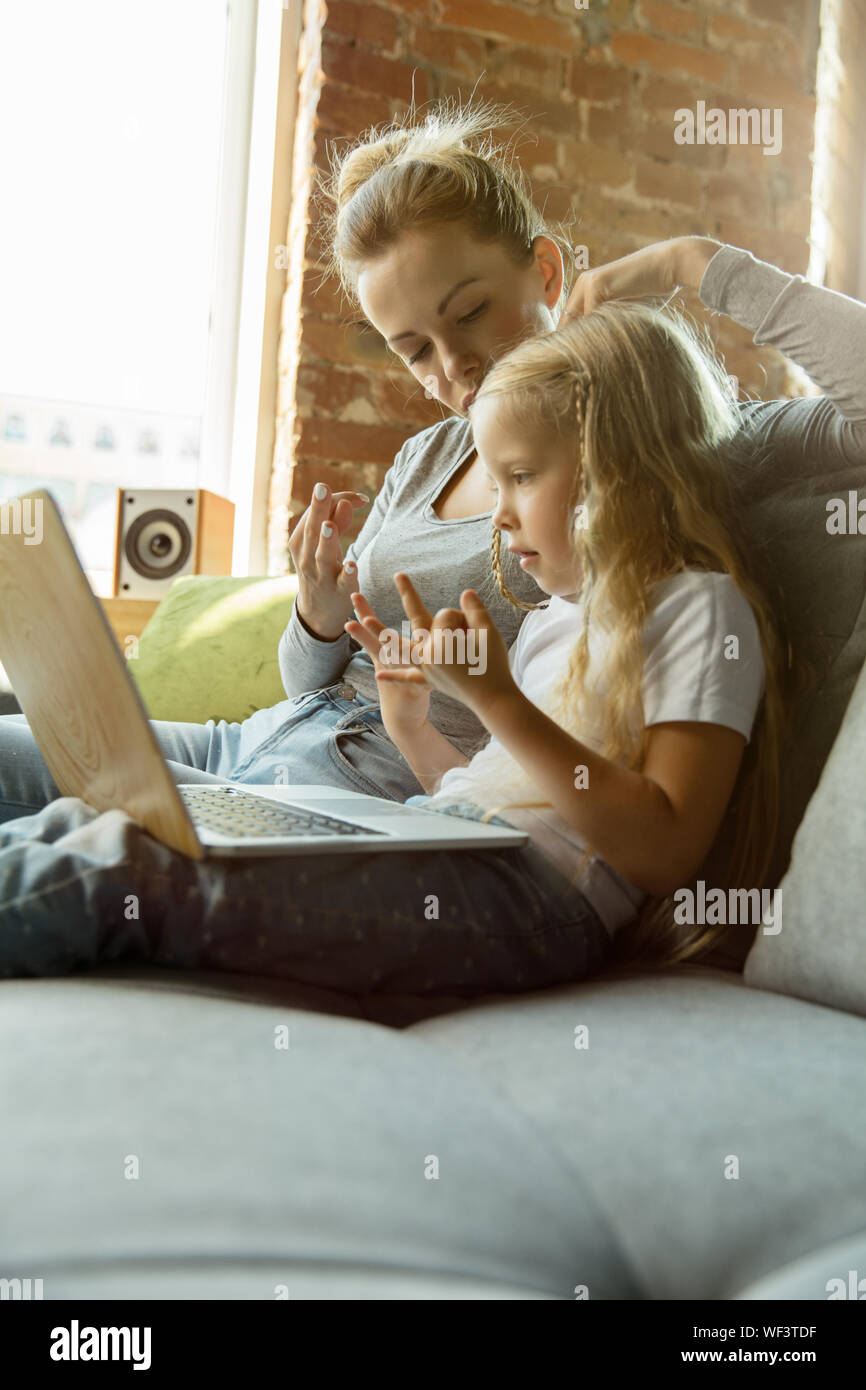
<point>81,888</point>
<point>331,737</point>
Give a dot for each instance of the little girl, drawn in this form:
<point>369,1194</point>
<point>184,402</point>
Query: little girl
<point>627,702</point>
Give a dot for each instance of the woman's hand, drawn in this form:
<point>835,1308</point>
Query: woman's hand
<point>404,706</point>
<point>325,583</point>
<point>460,651</point>
<point>659,269</point>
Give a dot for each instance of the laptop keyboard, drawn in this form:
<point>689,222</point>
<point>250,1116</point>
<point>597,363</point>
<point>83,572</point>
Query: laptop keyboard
<point>239,814</point>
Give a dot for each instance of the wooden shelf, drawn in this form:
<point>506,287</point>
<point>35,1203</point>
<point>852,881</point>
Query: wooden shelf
<point>128,617</point>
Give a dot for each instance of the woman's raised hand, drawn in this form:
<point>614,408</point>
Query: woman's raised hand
<point>325,583</point>
<point>659,269</point>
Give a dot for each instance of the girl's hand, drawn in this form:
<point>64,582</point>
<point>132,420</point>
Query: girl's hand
<point>404,706</point>
<point>324,581</point>
<point>460,651</point>
<point>659,269</point>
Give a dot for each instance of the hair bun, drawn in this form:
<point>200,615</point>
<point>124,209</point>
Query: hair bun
<point>363,162</point>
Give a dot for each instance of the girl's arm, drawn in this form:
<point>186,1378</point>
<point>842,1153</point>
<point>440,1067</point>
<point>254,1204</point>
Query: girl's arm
<point>405,706</point>
<point>654,827</point>
<point>428,752</point>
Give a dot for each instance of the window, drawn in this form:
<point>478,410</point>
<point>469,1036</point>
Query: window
<point>124,180</point>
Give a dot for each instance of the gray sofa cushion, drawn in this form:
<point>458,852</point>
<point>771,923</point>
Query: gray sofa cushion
<point>820,952</point>
<point>684,1070</point>
<point>306,1167</point>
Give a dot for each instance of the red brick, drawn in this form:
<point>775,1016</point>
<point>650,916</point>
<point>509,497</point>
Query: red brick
<point>669,19</point>
<point>369,72</point>
<point>334,391</point>
<point>323,296</point>
<point>658,142</point>
<point>484,17</point>
<point>656,180</point>
<point>610,126</point>
<point>634,49</point>
<point>796,217</point>
<point>663,94</point>
<point>556,204</point>
<point>545,113</point>
<point>771,88</point>
<point>335,342</point>
<point>329,389</point>
<point>427,9</point>
<point>742,198</point>
<point>346,441</point>
<point>791,13</point>
<point>624,219</point>
<point>362,21</point>
<point>539,69</point>
<point>339,477</point>
<point>534,150</point>
<point>599,82</point>
<point>347,113</point>
<point>584,162</point>
<point>731,29</point>
<point>458,52</point>
<point>788,252</point>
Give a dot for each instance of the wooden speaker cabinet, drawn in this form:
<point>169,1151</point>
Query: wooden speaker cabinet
<point>165,533</point>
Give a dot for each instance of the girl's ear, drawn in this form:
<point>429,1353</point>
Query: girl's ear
<point>548,258</point>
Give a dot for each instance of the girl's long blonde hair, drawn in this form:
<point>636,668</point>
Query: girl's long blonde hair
<point>656,464</point>
<point>446,167</point>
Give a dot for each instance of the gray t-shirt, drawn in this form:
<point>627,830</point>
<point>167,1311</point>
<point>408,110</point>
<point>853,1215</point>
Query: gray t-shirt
<point>442,558</point>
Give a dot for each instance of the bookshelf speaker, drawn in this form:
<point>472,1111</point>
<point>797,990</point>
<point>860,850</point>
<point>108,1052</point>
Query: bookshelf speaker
<point>164,533</point>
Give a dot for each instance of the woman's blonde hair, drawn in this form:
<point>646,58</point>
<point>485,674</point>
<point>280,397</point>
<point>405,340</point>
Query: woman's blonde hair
<point>446,167</point>
<point>656,460</point>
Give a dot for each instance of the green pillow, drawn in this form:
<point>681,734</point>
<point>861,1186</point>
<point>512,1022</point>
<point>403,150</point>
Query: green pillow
<point>210,649</point>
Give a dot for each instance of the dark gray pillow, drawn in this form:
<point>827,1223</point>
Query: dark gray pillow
<point>819,581</point>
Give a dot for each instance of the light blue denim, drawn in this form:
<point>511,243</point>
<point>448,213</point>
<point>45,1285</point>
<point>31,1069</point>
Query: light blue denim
<point>333,737</point>
<point>81,889</point>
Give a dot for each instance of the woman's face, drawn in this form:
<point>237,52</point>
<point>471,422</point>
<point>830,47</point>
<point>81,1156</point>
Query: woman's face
<point>449,305</point>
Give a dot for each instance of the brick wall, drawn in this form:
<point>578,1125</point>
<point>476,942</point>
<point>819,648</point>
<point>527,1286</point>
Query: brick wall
<point>602,85</point>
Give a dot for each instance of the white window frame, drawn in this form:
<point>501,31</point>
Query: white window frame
<point>239,418</point>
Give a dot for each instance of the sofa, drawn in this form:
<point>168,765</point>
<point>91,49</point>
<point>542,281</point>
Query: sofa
<point>690,1133</point>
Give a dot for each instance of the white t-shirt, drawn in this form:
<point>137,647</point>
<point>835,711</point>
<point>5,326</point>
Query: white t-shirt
<point>693,670</point>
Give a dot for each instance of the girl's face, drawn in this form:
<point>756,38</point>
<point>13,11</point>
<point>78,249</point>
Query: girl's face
<point>532,474</point>
<point>449,305</point>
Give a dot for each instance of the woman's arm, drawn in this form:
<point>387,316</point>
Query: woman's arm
<point>308,661</point>
<point>822,331</point>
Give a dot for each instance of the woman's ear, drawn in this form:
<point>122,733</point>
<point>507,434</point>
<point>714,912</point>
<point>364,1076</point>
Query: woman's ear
<point>548,258</point>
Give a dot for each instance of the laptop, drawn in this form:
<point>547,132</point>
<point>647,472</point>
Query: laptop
<point>87,717</point>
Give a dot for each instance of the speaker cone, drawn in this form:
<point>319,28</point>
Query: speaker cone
<point>158,544</point>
